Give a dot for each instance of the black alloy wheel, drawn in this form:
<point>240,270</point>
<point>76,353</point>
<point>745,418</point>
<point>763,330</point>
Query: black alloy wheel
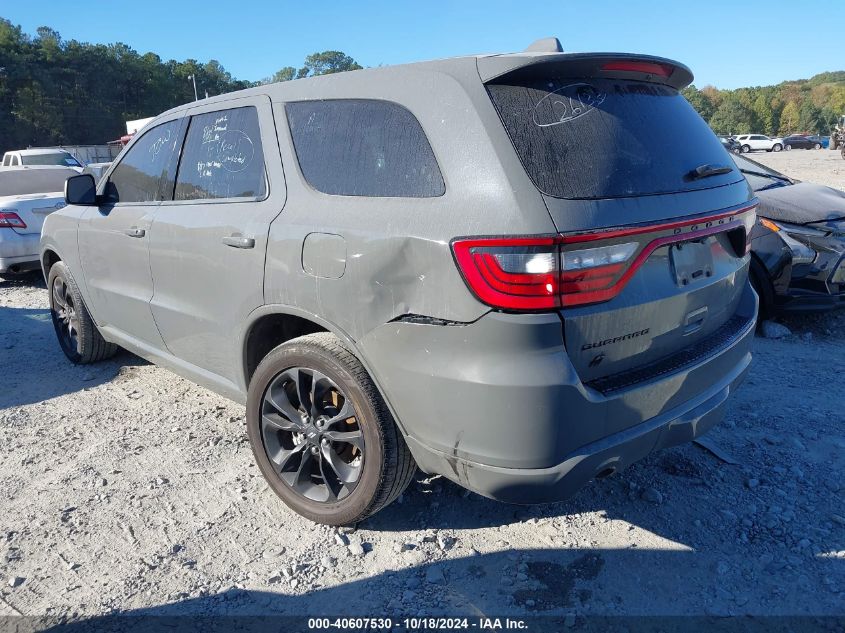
<point>311,435</point>
<point>322,435</point>
<point>65,316</point>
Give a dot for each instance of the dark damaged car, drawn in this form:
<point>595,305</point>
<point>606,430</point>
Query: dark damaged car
<point>503,269</point>
<point>798,244</point>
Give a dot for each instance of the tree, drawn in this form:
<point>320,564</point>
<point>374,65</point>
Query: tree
<point>38,115</point>
<point>731,117</point>
<point>699,101</point>
<point>789,119</point>
<point>762,107</point>
<point>283,74</point>
<point>326,63</point>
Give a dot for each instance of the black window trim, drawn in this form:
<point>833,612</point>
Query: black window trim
<point>188,118</point>
<point>310,187</point>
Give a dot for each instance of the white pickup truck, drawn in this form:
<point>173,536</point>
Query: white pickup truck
<point>752,142</point>
<point>41,156</point>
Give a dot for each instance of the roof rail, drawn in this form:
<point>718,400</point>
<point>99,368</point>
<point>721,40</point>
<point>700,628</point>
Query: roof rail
<point>545,45</point>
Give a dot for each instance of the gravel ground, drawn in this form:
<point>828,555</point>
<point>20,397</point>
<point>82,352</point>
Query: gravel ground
<point>822,166</point>
<point>125,488</point>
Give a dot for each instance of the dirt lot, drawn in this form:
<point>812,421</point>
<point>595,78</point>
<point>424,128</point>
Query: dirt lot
<point>125,488</point>
<point>822,166</point>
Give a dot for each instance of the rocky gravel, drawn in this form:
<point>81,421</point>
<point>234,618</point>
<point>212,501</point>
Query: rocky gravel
<point>821,166</point>
<point>124,488</point>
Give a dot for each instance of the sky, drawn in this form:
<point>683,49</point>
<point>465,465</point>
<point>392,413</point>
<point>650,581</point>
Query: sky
<point>726,44</point>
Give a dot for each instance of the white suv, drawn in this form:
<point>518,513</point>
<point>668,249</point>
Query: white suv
<point>750,142</point>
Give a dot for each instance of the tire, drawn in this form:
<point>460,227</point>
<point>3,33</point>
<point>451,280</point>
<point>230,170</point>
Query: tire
<point>817,146</point>
<point>382,464</point>
<point>763,287</point>
<point>777,147</point>
<point>787,147</point>
<point>745,149</point>
<point>78,335</point>
<point>842,151</point>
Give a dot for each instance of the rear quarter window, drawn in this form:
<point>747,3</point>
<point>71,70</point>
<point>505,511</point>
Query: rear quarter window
<point>222,157</point>
<point>363,147</point>
<point>590,138</point>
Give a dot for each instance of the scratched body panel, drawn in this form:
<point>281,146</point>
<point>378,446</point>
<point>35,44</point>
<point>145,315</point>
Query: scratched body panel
<point>399,258</point>
<point>513,405</point>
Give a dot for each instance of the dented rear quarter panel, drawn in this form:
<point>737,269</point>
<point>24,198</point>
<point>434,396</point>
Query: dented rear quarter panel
<point>398,253</point>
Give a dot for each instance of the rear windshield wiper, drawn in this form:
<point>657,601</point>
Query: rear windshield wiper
<point>705,171</point>
<point>763,174</point>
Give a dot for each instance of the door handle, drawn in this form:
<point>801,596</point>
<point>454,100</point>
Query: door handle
<point>239,241</point>
<point>135,232</point>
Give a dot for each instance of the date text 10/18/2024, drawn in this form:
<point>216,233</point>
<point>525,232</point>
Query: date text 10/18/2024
<point>417,623</point>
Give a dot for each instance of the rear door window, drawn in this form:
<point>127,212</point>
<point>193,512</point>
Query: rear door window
<point>589,138</point>
<point>147,165</point>
<point>363,147</point>
<point>222,157</point>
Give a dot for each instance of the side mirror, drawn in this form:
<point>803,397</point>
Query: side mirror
<point>81,189</point>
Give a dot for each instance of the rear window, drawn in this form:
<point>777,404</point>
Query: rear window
<point>59,158</point>
<point>363,147</point>
<point>607,138</point>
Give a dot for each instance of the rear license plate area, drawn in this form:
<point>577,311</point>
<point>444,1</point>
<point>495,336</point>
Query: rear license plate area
<point>691,262</point>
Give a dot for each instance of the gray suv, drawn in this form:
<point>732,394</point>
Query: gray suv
<point>501,269</point>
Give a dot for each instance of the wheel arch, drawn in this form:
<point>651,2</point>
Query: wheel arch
<point>271,317</point>
<point>271,325</point>
<point>49,256</point>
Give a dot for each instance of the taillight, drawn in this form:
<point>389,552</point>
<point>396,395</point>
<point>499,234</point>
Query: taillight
<point>548,272</point>
<point>590,269</point>
<point>512,273</point>
<point>11,220</point>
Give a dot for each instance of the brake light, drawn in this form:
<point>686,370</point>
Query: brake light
<point>650,68</point>
<point>512,273</point>
<point>591,269</point>
<point>549,272</point>
<point>11,220</point>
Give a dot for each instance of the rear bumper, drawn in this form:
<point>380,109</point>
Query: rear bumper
<point>497,406</point>
<point>18,251</point>
<point>603,457</point>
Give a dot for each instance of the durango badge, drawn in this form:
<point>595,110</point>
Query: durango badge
<point>610,341</point>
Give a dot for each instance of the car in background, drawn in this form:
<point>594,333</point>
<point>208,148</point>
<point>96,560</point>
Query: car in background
<point>824,141</point>
<point>800,141</point>
<point>96,169</point>
<point>798,243</point>
<point>730,144</point>
<point>41,156</point>
<point>756,142</point>
<point>27,196</point>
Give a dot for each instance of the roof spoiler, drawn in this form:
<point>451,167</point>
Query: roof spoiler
<point>539,63</point>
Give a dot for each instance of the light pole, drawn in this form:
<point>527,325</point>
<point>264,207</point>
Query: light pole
<point>193,78</point>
